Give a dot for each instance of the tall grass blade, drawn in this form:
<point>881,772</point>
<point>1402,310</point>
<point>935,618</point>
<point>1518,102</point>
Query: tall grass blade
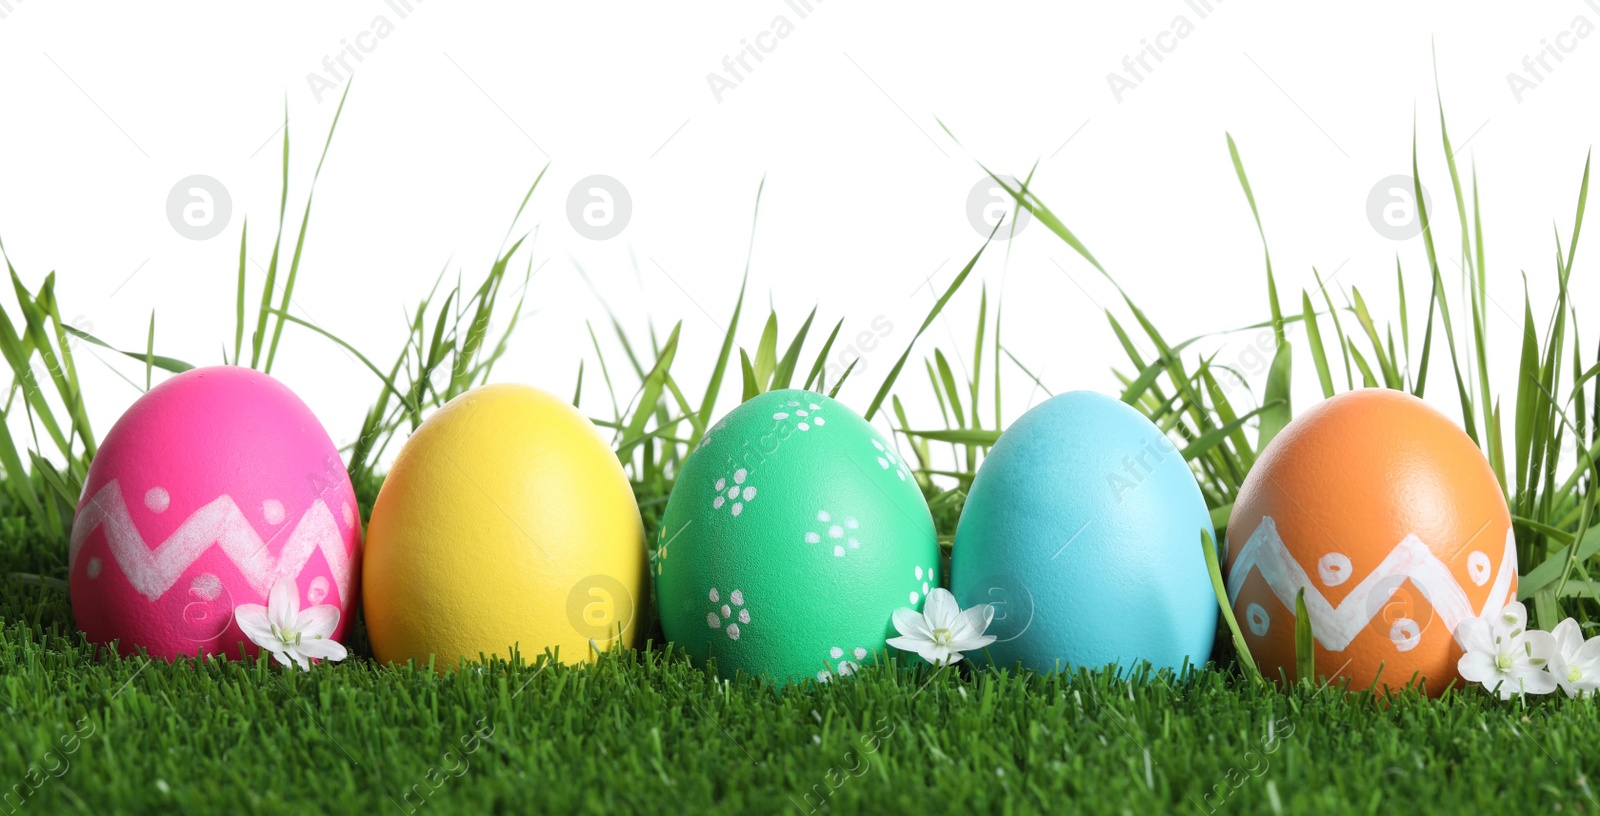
<point>1305,649</point>
<point>1250,196</point>
<point>708,404</point>
<point>767,352</point>
<point>1319,354</point>
<point>168,364</point>
<point>305,222</point>
<point>783,375</point>
<point>150,350</point>
<point>894,373</point>
<point>1247,664</point>
<point>650,395</point>
<point>1276,418</point>
<point>822,356</point>
<point>752,385</point>
<point>238,313</point>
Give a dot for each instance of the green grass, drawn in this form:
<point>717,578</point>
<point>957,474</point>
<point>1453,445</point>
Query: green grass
<point>644,730</point>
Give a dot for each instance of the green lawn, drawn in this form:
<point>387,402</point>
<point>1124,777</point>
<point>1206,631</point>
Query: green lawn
<point>648,732</point>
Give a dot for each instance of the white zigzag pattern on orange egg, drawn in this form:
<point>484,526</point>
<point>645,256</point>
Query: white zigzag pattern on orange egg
<point>1336,626</point>
<point>220,523</point>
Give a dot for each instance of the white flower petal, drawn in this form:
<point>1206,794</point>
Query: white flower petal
<point>322,649</point>
<point>1584,687</point>
<point>252,620</point>
<point>971,644</point>
<point>1569,638</point>
<point>1536,647</point>
<point>1479,667</point>
<point>941,609</point>
<point>906,644</point>
<point>283,603</point>
<point>1587,656</point>
<point>973,622</point>
<point>318,621</point>
<point>1476,636</point>
<point>1510,621</point>
<point>1532,681</point>
<point>912,624</point>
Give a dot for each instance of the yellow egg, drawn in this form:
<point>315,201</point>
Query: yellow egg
<point>505,522</point>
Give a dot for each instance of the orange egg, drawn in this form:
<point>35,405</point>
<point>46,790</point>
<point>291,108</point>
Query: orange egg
<point>1391,520</point>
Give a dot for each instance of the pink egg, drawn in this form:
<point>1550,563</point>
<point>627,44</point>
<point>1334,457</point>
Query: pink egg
<point>212,487</point>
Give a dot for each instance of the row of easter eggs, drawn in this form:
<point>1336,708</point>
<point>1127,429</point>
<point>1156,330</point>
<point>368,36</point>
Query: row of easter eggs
<point>793,533</point>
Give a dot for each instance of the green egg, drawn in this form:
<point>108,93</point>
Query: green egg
<point>792,534</point>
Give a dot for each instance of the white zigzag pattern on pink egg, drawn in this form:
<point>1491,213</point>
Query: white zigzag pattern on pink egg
<point>1334,627</point>
<point>220,523</point>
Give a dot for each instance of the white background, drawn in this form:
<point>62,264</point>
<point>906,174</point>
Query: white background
<point>453,113</point>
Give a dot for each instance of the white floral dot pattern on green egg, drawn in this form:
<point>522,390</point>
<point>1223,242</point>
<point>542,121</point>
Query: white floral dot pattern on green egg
<point>792,534</point>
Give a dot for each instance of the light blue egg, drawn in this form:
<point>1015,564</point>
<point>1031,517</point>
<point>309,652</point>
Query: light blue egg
<point>1083,529</point>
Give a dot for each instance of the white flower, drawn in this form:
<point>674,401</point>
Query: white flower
<point>1504,656</point>
<point>941,632</point>
<point>1575,664</point>
<point>294,637</point>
